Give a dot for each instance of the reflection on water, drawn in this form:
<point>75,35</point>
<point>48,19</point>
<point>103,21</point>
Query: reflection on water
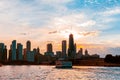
<point>51,73</point>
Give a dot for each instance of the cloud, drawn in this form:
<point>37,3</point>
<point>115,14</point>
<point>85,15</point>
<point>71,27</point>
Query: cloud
<point>79,21</point>
<point>23,33</point>
<point>88,23</point>
<point>54,1</point>
<point>112,11</point>
<point>37,19</point>
<point>53,32</point>
<point>93,33</point>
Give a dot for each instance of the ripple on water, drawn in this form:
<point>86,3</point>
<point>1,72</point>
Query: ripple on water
<point>51,73</point>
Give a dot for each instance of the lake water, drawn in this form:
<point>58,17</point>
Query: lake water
<point>51,73</point>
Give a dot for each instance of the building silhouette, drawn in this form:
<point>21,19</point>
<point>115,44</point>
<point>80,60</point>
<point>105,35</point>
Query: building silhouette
<point>10,53</point>
<point>49,47</point>
<point>81,51</point>
<point>19,51</point>
<point>75,48</point>
<point>49,51</point>
<point>30,56</point>
<point>79,55</point>
<point>13,50</point>
<point>35,50</point>
<point>86,53</point>
<point>58,54</point>
<point>37,56</point>
<point>38,50</point>
<point>25,54</point>
<point>28,46</point>
<point>64,47</point>
<point>3,53</point>
<point>71,48</point>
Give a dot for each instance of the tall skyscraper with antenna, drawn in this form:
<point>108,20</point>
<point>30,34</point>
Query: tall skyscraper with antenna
<point>71,49</point>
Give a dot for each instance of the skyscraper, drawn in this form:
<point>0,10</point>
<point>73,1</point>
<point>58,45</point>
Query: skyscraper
<point>80,54</point>
<point>58,54</point>
<point>28,46</point>
<point>81,51</point>
<point>37,55</point>
<point>75,48</point>
<point>71,49</point>
<point>20,51</point>
<point>14,50</point>
<point>49,47</point>
<point>3,52</point>
<point>49,50</point>
<point>24,54</point>
<point>2,47</point>
<point>10,53</point>
<point>35,51</point>
<point>30,56</point>
<point>64,46</point>
<point>86,53</point>
<point>38,50</point>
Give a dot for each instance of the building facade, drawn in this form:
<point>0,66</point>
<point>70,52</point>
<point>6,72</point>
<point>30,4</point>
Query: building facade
<point>13,50</point>
<point>64,47</point>
<point>71,48</point>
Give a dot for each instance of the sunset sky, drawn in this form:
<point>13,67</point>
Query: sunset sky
<point>94,23</point>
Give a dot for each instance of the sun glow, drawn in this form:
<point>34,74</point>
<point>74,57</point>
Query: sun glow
<point>67,32</point>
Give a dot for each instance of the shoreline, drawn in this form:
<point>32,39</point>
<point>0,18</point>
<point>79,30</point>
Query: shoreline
<point>106,65</point>
<point>73,65</point>
<point>85,62</point>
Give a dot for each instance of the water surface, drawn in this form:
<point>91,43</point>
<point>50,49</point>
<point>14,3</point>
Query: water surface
<point>51,73</point>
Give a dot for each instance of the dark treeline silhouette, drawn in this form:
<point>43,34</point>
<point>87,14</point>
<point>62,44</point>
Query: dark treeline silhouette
<point>109,58</point>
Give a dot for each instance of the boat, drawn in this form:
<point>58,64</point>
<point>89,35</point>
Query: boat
<point>63,64</point>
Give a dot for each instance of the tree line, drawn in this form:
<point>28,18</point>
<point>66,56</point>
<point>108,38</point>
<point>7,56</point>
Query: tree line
<point>109,58</point>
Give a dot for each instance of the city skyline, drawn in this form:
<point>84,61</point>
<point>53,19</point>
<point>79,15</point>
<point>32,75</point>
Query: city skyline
<point>94,23</point>
<point>17,53</point>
